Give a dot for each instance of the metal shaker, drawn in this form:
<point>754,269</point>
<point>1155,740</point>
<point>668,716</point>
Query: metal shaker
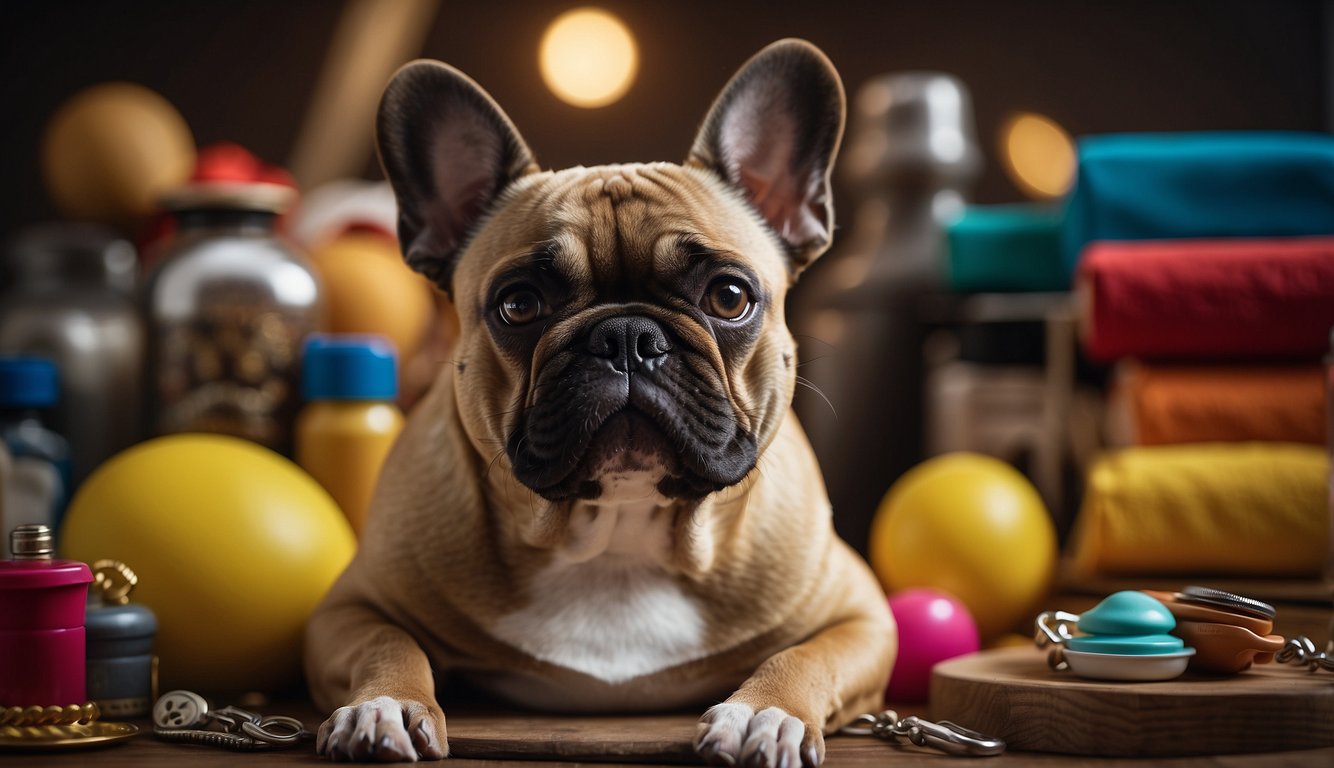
<point>228,306</point>
<point>66,295</point>
<point>860,315</point>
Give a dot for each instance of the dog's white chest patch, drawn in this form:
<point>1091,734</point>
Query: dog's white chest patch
<point>607,618</point>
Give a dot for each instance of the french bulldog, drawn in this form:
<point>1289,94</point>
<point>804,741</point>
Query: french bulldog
<point>604,503</point>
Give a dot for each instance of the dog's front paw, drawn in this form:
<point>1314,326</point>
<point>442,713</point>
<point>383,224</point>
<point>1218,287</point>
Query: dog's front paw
<point>384,730</point>
<point>729,734</point>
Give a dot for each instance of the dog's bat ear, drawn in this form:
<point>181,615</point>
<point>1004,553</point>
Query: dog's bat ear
<point>448,151</point>
<point>773,133</point>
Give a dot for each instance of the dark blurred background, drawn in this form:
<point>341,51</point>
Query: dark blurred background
<point>244,70</point>
<point>247,71</point>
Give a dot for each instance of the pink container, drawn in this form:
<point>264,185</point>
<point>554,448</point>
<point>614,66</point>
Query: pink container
<point>42,605</point>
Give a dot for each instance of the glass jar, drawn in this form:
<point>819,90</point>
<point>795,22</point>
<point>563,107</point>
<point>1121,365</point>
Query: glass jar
<point>228,307</point>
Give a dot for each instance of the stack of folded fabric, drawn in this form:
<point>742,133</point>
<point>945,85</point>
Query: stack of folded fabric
<point>1006,249</point>
<point>987,395</point>
<point>1204,267</point>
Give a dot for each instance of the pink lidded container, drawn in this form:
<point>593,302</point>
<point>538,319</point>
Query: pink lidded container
<point>42,604</point>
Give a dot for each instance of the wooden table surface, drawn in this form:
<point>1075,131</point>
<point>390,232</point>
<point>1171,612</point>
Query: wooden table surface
<point>482,736</point>
<point>548,741</point>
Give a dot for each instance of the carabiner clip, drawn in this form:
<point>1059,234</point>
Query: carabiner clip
<point>950,738</point>
<point>1054,628</point>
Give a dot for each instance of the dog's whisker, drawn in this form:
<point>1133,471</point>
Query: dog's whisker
<point>803,381</point>
<point>807,361</point>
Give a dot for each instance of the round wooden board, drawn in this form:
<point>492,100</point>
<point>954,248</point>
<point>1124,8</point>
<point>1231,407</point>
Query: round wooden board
<point>1010,693</point>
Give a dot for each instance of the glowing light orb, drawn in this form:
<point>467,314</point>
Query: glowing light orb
<point>1038,154</point>
<point>588,57</point>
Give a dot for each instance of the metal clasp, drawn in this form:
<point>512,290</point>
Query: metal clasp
<point>1055,628</point>
<point>950,738</point>
<point>1301,650</point>
<point>183,716</point>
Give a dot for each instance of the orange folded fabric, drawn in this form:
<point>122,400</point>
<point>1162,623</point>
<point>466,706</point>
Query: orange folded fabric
<point>1157,404</point>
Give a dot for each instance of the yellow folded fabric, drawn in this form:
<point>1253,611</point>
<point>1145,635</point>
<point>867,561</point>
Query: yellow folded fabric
<point>1218,509</point>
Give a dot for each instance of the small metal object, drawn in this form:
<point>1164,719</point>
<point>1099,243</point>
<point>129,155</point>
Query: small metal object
<point>185,717</point>
<point>1055,628</point>
<point>945,736</point>
<point>32,542</point>
<point>179,709</point>
<point>1301,651</point>
<point>52,715</point>
<point>276,730</point>
<point>232,741</point>
<point>113,581</point>
<point>1227,601</point>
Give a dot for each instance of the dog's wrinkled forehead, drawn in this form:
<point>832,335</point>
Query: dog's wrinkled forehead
<point>619,233</point>
<point>756,178</point>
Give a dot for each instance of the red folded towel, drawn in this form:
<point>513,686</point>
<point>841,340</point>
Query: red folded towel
<point>1200,299</point>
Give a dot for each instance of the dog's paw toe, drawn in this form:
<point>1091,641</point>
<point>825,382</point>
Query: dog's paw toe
<point>732,734</point>
<point>383,730</point>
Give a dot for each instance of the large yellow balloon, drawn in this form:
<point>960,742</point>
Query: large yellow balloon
<point>233,544</point>
<point>111,150</point>
<point>972,526</point>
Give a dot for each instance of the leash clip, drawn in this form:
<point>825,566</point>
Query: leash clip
<point>950,738</point>
<point>1302,652</point>
<point>1055,628</point>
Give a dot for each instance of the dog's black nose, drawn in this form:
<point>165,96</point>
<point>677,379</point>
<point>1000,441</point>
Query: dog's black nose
<point>629,342</point>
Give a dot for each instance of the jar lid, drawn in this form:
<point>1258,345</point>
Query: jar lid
<point>265,197</point>
<point>28,382</point>
<point>21,575</point>
<point>120,622</point>
<point>70,251</point>
<point>348,367</point>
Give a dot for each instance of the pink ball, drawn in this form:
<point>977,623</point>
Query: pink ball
<point>933,627</point>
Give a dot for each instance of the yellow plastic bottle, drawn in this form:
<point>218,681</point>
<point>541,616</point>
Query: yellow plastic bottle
<point>350,420</point>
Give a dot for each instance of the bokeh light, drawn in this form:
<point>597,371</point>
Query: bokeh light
<point>1038,154</point>
<point>588,57</point>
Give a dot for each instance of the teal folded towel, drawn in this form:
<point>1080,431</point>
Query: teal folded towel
<point>1006,248</point>
<point>1173,185</point>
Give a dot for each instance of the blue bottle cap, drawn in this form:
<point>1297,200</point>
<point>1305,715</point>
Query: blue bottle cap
<point>347,367</point>
<point>28,382</point>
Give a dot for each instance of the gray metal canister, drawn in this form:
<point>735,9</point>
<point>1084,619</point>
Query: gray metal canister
<point>66,295</point>
<point>862,315</point>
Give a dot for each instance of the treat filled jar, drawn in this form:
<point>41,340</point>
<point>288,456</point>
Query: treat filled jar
<point>228,306</point>
<point>41,623</point>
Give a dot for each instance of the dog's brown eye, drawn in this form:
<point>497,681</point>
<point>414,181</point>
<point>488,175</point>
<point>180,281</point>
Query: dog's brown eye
<point>727,299</point>
<point>521,306</point>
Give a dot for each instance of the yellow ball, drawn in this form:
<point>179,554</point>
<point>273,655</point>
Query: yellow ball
<point>233,544</point>
<point>972,526</point>
<point>111,150</point>
<point>368,289</point>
